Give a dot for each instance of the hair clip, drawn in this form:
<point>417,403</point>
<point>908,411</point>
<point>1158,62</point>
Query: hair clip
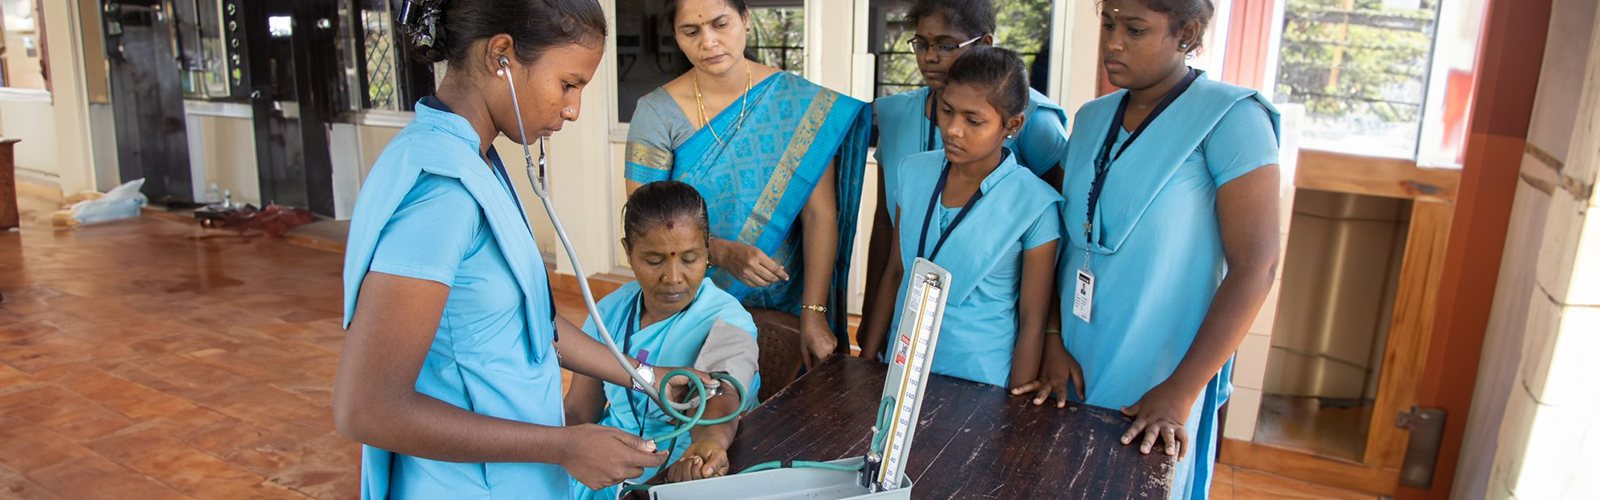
<point>419,19</point>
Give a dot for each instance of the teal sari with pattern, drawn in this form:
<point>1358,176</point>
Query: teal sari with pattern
<point>757,178</point>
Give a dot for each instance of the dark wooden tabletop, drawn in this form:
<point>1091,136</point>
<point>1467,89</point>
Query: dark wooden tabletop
<point>972,441</point>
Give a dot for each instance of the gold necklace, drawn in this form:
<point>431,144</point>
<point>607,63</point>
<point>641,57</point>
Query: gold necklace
<point>744,104</point>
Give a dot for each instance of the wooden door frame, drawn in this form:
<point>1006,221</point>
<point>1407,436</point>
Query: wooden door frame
<point>1433,192</point>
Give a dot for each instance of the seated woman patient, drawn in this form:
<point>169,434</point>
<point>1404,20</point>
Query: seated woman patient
<point>973,210</point>
<point>671,316</point>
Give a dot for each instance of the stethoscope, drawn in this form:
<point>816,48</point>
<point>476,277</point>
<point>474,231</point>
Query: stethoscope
<point>539,177</point>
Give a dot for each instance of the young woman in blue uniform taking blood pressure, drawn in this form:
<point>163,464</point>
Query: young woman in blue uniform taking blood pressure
<point>1171,216</point>
<point>450,373</point>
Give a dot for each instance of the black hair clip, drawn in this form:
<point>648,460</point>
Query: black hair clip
<point>420,21</point>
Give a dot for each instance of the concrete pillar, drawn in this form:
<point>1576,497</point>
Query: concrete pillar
<point>69,92</point>
<point>1549,439</point>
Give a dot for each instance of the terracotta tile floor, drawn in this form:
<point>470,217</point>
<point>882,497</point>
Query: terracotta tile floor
<point>142,359</point>
<point>1232,483</point>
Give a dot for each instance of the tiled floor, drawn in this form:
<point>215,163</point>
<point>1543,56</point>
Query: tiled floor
<point>140,359</point>
<point>1232,483</point>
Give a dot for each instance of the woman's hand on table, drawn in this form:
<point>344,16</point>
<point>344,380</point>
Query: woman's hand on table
<point>816,338</point>
<point>1160,416</point>
<point>1057,372</point>
<point>702,460</point>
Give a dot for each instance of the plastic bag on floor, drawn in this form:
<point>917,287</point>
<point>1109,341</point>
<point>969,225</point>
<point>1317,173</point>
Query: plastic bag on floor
<point>120,203</point>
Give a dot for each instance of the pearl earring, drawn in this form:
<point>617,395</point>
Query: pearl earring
<point>1184,46</point>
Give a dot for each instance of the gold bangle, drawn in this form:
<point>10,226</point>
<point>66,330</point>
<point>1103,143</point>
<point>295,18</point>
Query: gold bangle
<point>819,308</point>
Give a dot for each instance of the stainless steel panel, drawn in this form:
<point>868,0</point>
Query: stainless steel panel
<point>1339,283</point>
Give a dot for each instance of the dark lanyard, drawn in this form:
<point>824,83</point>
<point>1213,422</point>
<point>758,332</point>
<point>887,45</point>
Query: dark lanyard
<point>929,110</point>
<point>1102,163</point>
<point>927,218</point>
<point>627,345</point>
<point>629,325</point>
<point>629,322</point>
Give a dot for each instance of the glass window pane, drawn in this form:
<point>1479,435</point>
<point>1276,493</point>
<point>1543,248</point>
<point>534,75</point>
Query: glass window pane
<point>1020,25</point>
<point>777,37</point>
<point>1451,84</point>
<point>1360,67</point>
<point>377,43</point>
<point>23,57</point>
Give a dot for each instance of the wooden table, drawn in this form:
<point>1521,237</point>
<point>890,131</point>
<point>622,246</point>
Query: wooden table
<point>973,441</point>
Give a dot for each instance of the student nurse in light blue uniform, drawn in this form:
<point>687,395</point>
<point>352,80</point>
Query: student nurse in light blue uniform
<point>973,210</point>
<point>944,30</point>
<point>450,373</point>
<point>1178,175</point>
<point>671,315</point>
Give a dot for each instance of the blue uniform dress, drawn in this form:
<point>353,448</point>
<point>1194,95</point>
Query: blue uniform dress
<point>675,341</point>
<point>433,210</point>
<point>904,130</point>
<point>984,256</point>
<point>1157,249</point>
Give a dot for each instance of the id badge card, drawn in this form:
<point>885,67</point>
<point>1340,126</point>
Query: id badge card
<point>1083,295</point>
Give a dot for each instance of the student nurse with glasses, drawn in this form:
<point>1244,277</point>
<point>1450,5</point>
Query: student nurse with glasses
<point>945,29</point>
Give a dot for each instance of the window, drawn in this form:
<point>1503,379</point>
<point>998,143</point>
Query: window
<point>648,55</point>
<point>1020,25</point>
<point>381,71</point>
<point>1375,76</point>
<point>777,35</point>
<point>377,53</point>
<point>23,46</point>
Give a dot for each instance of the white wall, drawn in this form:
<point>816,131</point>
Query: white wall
<point>58,146</point>
<point>228,151</point>
<point>35,123</point>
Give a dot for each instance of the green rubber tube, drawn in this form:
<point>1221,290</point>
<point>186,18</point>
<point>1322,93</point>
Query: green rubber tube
<point>851,467</point>
<point>883,423</point>
<point>699,389</point>
<point>697,419</point>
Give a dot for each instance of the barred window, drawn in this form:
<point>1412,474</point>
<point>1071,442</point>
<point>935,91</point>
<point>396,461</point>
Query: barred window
<point>382,73</point>
<point>1021,25</point>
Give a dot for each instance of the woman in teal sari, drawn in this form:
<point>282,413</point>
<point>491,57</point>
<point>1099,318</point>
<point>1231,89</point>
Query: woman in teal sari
<point>672,315</point>
<point>779,160</point>
<point>946,29</point>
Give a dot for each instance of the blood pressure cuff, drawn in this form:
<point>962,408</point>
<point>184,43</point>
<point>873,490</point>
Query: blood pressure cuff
<point>732,350</point>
